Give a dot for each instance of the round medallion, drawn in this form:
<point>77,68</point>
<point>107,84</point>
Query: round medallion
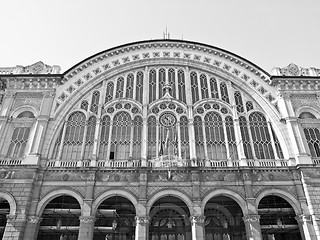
<point>167,120</point>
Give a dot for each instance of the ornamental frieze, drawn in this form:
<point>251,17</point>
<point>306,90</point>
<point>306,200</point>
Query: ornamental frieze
<point>310,100</point>
<point>118,177</point>
<point>169,176</point>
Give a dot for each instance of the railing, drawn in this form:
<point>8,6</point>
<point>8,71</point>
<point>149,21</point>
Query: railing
<point>160,162</point>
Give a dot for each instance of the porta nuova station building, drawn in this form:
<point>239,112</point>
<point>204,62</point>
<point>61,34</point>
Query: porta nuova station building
<point>160,140</point>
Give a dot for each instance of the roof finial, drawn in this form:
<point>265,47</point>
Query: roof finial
<point>166,34</point>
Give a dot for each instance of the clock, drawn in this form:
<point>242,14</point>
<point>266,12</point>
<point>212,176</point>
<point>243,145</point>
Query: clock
<point>167,120</point>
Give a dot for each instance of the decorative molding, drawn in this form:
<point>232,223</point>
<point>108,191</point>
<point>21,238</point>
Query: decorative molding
<point>34,219</point>
<point>197,219</point>
<point>251,218</point>
<point>144,221</point>
<point>87,219</point>
<point>294,70</point>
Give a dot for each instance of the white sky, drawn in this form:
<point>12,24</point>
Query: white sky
<point>268,33</point>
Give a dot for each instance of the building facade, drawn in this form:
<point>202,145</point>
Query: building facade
<point>159,140</point>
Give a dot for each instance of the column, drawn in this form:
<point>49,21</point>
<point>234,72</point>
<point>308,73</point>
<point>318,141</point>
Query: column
<point>86,227</point>
<point>32,227</point>
<point>142,227</point>
<point>15,227</point>
<point>305,225</point>
<point>252,224</point>
<point>197,227</point>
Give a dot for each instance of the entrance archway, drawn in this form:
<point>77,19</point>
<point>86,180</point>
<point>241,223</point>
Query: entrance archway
<point>277,219</point>
<point>169,220</point>
<point>115,219</point>
<point>4,210</point>
<point>60,219</point>
<point>223,219</point>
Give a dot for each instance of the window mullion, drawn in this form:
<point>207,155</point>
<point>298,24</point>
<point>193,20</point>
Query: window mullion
<point>62,140</point>
<point>204,140</point>
<point>109,139</point>
<point>272,141</point>
<point>131,138</point>
<point>84,140</point>
<point>226,139</point>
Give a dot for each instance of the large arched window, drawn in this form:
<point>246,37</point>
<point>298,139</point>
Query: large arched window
<point>152,85</point>
<point>129,86</point>
<point>215,141</point>
<point>214,88</point>
<point>73,140</point>
<point>120,85</point>
<point>109,92</point>
<point>162,82</point>
<point>20,135</point>
<point>260,136</point>
<point>139,87</point>
<point>137,136</point>
<point>120,136</point>
<point>18,142</point>
<point>95,102</point>
<point>184,139</point>
<point>198,132</point>
<point>88,147</point>
<point>172,81</point>
<point>194,87</point>
<point>104,138</point>
<point>181,86</point>
<point>204,86</point>
<point>152,137</point>
<point>224,92</point>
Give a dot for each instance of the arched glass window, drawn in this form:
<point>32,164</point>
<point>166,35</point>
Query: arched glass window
<point>109,92</point>
<point>162,82</point>
<point>238,100</point>
<point>214,88</point>
<point>136,144</point>
<point>181,86</point>
<point>198,132</point>
<point>216,148</point>
<point>224,92</point>
<point>18,142</point>
<point>152,85</point>
<point>129,86</point>
<point>194,87</point>
<point>152,137</point>
<point>204,86</point>
<point>231,138</point>
<point>184,133</point>
<point>139,87</point>
<point>245,138</point>
<point>313,140</point>
<point>84,105</point>
<point>72,143</point>
<point>260,136</point>
<point>307,115</point>
<point>26,114</point>
<point>172,81</point>
<point>88,147</point>
<point>95,102</point>
<point>104,138</point>
<point>120,85</point>
<point>120,137</point>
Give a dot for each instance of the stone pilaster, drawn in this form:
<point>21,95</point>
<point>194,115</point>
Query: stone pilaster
<point>305,226</point>
<point>86,227</point>
<point>142,227</point>
<point>32,227</point>
<point>253,229</point>
<point>197,227</point>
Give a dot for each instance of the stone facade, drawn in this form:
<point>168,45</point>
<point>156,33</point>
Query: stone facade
<point>190,183</point>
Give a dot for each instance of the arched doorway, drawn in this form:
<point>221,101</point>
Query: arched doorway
<point>169,220</point>
<point>277,219</point>
<point>223,219</point>
<point>115,219</point>
<point>60,219</point>
<point>4,210</point>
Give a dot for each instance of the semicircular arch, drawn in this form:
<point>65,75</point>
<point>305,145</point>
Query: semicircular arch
<point>283,194</point>
<point>57,193</point>
<point>173,193</point>
<point>113,193</point>
<point>228,193</point>
<point>10,199</point>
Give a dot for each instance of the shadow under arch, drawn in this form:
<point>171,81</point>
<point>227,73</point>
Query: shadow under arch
<point>113,193</point>
<point>57,193</point>
<point>224,192</point>
<point>172,193</point>
<point>280,193</point>
<point>10,199</point>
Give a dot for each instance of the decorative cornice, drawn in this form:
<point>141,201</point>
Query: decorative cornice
<point>294,70</point>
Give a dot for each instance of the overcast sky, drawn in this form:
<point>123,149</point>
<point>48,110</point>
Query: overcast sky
<point>268,33</point>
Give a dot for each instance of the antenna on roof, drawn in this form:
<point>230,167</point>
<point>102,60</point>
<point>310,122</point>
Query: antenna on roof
<point>166,34</point>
